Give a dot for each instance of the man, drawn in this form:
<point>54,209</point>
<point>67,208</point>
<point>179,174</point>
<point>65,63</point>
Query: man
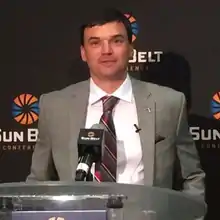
<point>148,121</point>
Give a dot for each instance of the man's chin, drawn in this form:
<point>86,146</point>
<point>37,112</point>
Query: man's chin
<point>112,72</point>
<point>113,75</point>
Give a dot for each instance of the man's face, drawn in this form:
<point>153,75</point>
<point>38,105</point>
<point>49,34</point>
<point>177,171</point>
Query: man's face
<point>106,50</point>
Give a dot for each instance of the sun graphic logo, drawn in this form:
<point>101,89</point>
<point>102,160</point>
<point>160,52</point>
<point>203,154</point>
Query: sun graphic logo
<point>215,105</point>
<point>134,26</point>
<point>25,109</point>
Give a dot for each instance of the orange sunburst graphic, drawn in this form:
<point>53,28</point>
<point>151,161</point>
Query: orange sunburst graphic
<point>134,26</point>
<point>25,109</point>
<point>215,105</point>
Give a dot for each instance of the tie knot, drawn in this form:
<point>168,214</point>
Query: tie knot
<point>109,102</point>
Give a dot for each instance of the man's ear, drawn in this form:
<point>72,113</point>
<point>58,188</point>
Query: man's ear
<point>131,52</point>
<point>83,54</point>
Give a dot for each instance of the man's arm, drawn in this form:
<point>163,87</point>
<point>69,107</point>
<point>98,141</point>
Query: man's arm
<point>42,162</point>
<point>187,153</point>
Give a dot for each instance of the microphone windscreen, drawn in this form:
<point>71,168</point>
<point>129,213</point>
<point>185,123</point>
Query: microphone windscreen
<point>98,126</point>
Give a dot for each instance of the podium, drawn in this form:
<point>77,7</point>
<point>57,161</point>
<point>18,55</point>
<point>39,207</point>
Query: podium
<point>95,201</point>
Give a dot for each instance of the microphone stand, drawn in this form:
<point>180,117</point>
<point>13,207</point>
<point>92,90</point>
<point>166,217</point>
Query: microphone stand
<point>89,177</point>
<point>80,176</point>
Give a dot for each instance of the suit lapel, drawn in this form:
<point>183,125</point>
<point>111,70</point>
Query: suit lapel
<point>146,116</point>
<point>77,117</point>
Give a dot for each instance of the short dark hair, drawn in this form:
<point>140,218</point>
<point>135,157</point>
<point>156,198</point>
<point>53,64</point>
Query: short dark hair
<point>106,16</point>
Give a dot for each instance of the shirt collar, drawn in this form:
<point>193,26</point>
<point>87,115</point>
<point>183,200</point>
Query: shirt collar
<point>124,92</point>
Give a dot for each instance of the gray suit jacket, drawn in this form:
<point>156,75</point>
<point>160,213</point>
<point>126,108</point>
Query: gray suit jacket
<point>164,135</point>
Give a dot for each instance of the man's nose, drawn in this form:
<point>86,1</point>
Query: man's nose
<point>106,48</point>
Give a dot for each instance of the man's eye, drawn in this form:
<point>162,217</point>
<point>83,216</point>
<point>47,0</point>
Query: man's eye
<point>118,41</point>
<point>94,43</point>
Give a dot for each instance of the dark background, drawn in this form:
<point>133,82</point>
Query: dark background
<point>46,48</point>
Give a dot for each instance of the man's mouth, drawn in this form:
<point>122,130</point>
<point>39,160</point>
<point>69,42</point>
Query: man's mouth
<point>108,63</point>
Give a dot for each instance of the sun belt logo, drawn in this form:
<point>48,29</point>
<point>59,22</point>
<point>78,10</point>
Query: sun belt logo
<point>209,137</point>
<point>138,61</point>
<point>134,26</point>
<point>25,109</point>
<point>215,106</point>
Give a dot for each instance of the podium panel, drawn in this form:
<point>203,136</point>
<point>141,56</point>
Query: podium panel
<point>59,215</point>
<point>98,201</point>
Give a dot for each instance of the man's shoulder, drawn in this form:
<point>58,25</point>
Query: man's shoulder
<point>67,91</point>
<point>161,92</point>
<point>165,92</point>
<point>57,98</point>
<point>167,100</point>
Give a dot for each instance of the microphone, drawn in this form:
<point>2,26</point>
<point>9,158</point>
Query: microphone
<point>137,128</point>
<point>90,144</point>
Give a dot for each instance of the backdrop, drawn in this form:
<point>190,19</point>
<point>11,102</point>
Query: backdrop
<point>175,44</point>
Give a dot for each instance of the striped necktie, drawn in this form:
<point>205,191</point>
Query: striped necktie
<point>106,170</point>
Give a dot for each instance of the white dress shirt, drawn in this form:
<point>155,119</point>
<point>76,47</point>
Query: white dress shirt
<point>130,168</point>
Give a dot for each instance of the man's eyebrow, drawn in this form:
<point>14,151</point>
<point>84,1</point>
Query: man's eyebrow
<point>113,36</point>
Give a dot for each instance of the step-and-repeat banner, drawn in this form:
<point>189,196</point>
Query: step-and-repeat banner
<point>175,45</point>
